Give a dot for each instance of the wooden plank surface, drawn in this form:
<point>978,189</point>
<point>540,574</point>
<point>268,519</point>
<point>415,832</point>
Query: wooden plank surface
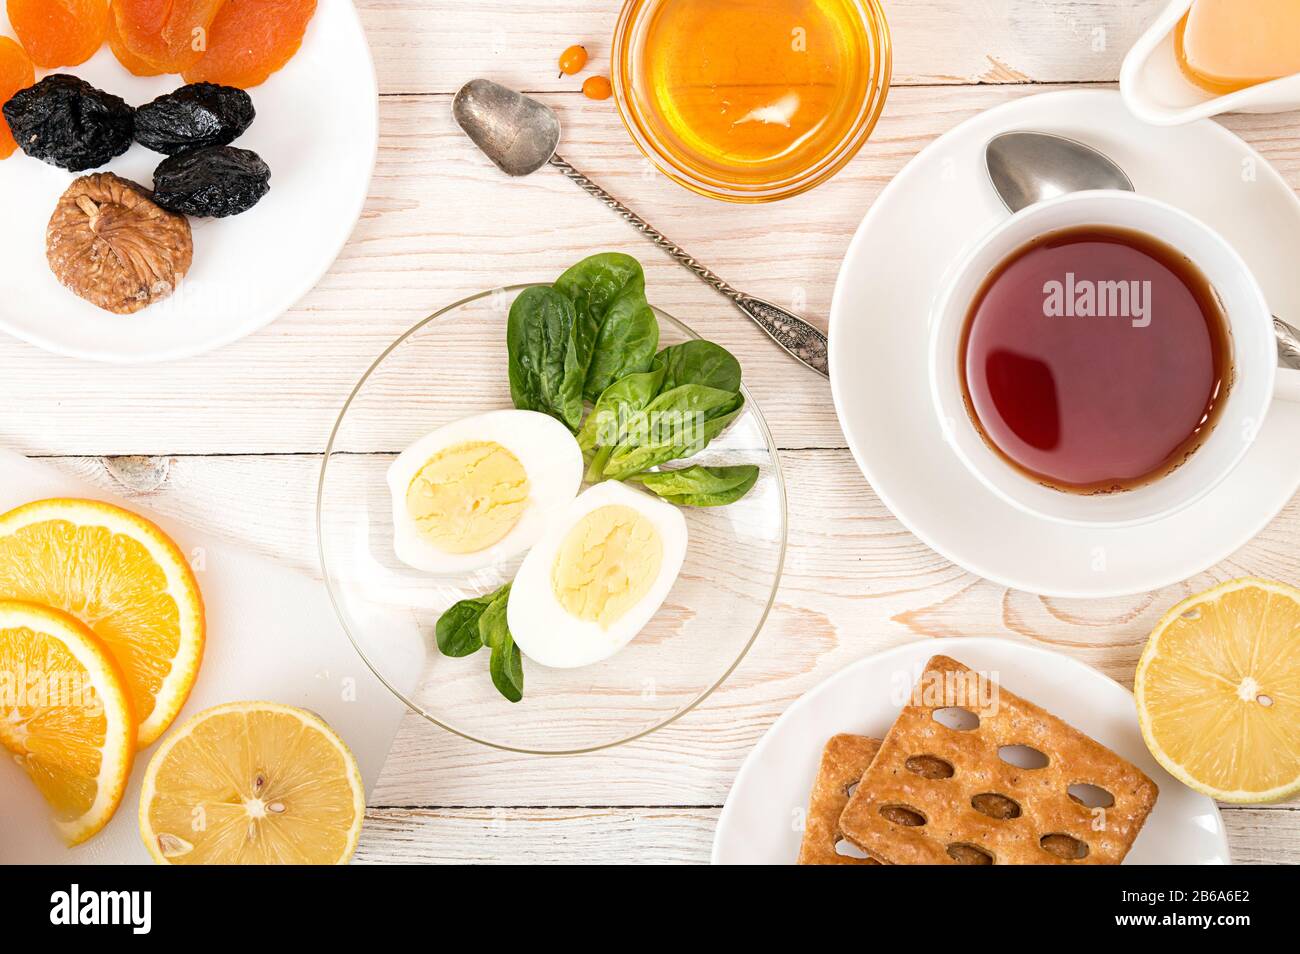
<point>541,836</point>
<point>423,45</point>
<point>441,224</point>
<point>855,582</point>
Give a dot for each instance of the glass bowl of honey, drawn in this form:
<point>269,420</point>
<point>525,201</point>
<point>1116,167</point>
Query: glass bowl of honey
<point>751,100</point>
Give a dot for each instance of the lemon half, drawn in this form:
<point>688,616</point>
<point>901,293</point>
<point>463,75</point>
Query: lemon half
<point>1218,691</point>
<point>251,783</point>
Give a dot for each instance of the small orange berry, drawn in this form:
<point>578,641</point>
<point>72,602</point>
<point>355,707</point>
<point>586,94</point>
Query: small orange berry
<point>597,87</point>
<point>573,60</point>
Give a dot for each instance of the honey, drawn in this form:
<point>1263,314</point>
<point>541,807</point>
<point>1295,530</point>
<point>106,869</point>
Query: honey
<point>754,95</point>
<point>1226,45</point>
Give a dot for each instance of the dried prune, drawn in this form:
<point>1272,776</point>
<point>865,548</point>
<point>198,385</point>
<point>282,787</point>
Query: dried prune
<point>68,123</point>
<point>216,182</point>
<point>193,117</point>
<point>110,244</point>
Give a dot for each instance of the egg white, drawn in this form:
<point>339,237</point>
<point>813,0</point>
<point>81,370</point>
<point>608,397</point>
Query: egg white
<point>544,630</point>
<point>550,457</point>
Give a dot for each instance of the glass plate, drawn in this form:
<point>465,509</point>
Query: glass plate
<point>453,365</point>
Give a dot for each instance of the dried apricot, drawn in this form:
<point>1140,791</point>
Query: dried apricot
<point>16,73</point>
<point>59,32</point>
<point>250,40</point>
<point>133,64</point>
<point>170,35</point>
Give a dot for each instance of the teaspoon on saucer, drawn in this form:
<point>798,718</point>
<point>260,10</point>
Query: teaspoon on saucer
<point>1028,167</point>
<point>520,135</point>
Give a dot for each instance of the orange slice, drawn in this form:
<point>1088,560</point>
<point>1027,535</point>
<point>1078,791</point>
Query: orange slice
<point>1218,691</point>
<point>252,783</point>
<point>65,715</point>
<point>125,579</point>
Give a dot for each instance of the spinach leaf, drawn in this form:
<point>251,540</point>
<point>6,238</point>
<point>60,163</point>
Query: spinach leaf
<point>615,409</point>
<point>626,343</point>
<point>608,292</point>
<point>700,362</point>
<point>699,486</point>
<point>507,669</point>
<point>506,665</point>
<point>550,344</point>
<point>673,410</point>
<point>676,424</point>
<point>471,624</point>
<point>492,621</point>
<point>457,629</point>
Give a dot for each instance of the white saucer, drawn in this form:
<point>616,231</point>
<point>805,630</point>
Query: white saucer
<point>316,127</point>
<point>917,229</point>
<point>759,822</point>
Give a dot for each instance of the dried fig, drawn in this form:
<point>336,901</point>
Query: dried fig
<point>111,244</point>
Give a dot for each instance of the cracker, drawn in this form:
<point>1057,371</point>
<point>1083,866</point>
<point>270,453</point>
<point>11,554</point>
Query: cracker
<point>900,816</point>
<point>844,759</point>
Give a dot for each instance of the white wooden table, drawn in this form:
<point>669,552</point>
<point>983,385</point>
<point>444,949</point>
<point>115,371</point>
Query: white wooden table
<point>441,223</point>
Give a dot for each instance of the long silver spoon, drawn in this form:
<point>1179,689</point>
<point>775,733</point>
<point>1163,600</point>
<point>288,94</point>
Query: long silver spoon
<point>1028,167</point>
<point>520,135</point>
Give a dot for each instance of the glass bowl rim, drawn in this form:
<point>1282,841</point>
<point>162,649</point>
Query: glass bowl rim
<point>334,597</point>
<point>872,13</point>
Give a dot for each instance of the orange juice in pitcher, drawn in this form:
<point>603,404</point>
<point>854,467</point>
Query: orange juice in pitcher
<point>1226,45</point>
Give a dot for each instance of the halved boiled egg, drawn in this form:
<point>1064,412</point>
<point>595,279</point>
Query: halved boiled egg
<point>596,577</point>
<point>481,489</point>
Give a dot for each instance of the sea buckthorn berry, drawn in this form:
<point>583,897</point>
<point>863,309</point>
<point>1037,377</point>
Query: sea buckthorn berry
<point>597,87</point>
<point>573,60</point>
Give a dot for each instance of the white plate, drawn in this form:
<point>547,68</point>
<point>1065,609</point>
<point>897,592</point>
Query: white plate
<point>897,263</point>
<point>760,823</point>
<point>317,128</point>
<point>272,634</point>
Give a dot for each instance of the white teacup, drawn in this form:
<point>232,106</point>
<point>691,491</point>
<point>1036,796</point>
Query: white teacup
<point>1254,359</point>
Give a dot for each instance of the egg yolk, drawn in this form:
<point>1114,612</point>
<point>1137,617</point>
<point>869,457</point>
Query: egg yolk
<point>606,564</point>
<point>467,497</point>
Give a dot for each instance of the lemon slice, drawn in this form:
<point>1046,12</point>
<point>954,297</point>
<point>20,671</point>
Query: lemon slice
<point>1218,691</point>
<point>125,579</point>
<point>65,715</point>
<point>252,783</point>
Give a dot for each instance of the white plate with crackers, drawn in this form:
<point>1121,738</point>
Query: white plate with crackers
<point>1041,763</point>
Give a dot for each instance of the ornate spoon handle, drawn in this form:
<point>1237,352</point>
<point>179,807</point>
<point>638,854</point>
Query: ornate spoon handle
<point>1288,343</point>
<point>800,339</point>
